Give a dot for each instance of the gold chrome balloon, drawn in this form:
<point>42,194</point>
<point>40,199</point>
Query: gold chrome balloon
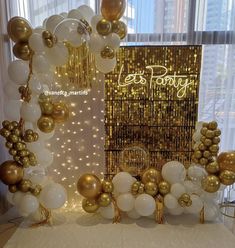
<point>89,186</point>
<point>12,188</point>
<point>11,172</point>
<point>60,112</point>
<point>103,27</point>
<point>90,205</point>
<point>46,124</point>
<point>212,125</point>
<point>151,175</point>
<point>104,200</point>
<point>119,28</point>
<point>107,186</point>
<point>46,107</point>
<point>19,29</point>
<point>151,188</point>
<point>211,183</point>
<point>22,51</point>
<point>107,53</point>
<point>226,161</point>
<point>212,167</point>
<point>227,177</point>
<point>24,185</point>
<point>113,9</point>
<point>164,187</point>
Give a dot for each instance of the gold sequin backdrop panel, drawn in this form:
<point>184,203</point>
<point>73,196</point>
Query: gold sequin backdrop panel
<point>152,101</point>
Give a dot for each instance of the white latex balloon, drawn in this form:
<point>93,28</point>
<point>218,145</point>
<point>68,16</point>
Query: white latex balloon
<point>177,189</point>
<point>28,125</point>
<point>173,172</point>
<point>10,197</point>
<point>45,136</point>
<point>18,71</point>
<point>44,23</point>
<point>35,84</point>
<point>30,111</point>
<point>211,211</point>
<point>17,196</point>
<point>209,196</point>
<point>44,157</point>
<point>107,212</point>
<point>196,206</point>
<point>133,214</point>
<point>64,14</point>
<point>11,91</point>
<point>197,136</point>
<point>170,201</point>
<point>196,173</point>
<point>12,109</point>
<point>38,30</point>
<point>40,63</point>
<point>75,14</point>
<point>126,202</point>
<point>105,65</point>
<point>36,43</point>
<point>53,196</point>
<point>113,40</point>
<point>192,187</point>
<point>96,43</point>
<point>36,146</point>
<point>53,21</point>
<point>28,204</point>
<point>87,12</point>
<point>94,20</point>
<point>46,78</point>
<point>176,211</point>
<point>122,182</point>
<point>58,54</point>
<point>145,205</point>
<point>37,175</point>
<point>199,125</point>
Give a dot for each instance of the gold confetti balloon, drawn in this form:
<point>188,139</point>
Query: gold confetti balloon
<point>226,161</point>
<point>151,175</point>
<point>113,9</point>
<point>164,187</point>
<point>103,27</point>
<point>90,205</point>
<point>227,177</point>
<point>104,200</point>
<point>46,124</point>
<point>22,51</point>
<point>211,184</point>
<point>60,112</point>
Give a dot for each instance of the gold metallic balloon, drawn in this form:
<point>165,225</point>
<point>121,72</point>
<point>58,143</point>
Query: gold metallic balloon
<point>214,148</point>
<point>89,186</point>
<point>46,107</point>
<point>151,188</point>
<point>60,112</point>
<point>21,50</point>
<point>226,161</point>
<point>212,125</point>
<point>19,29</point>
<point>206,154</point>
<point>164,187</point>
<point>227,177</point>
<point>151,175</point>
<point>11,172</point>
<point>203,161</point>
<point>107,186</point>
<point>207,142</point>
<point>204,130</point>
<point>119,28</point>
<point>12,188</point>
<point>104,199</point>
<point>217,132</point>
<point>24,185</point>
<point>36,190</point>
<point>113,9</point>
<point>103,27</point>
<point>107,53</point>
<point>212,167</point>
<point>46,124</point>
<point>210,134</point>
<point>211,183</point>
<point>90,205</point>
<point>185,200</point>
<point>198,154</point>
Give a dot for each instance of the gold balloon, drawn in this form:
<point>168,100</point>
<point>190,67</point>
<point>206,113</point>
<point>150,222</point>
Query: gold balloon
<point>103,27</point>
<point>46,124</point>
<point>104,200</point>
<point>227,177</point>
<point>107,187</point>
<point>107,53</point>
<point>12,188</point>
<point>226,161</point>
<point>204,130</point>
<point>24,185</point>
<point>89,186</point>
<point>60,112</point>
<point>212,167</point>
<point>151,188</point>
<point>164,187</point>
<point>19,29</point>
<point>212,125</point>
<point>46,107</point>
<point>89,205</point>
<point>113,9</point>
<point>211,183</point>
<point>119,28</point>
<point>151,175</point>
<point>11,172</point>
<point>22,51</point>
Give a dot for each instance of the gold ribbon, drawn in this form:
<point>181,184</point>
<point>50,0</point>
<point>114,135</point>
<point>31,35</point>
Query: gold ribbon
<point>117,217</point>
<point>159,209</point>
<point>45,215</point>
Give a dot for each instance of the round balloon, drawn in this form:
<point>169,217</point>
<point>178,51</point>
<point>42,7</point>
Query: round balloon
<point>18,71</point>
<point>28,204</point>
<point>108,212</point>
<point>145,205</point>
<point>126,202</point>
<point>171,202</point>
<point>122,182</point>
<point>30,112</point>
<point>113,10</point>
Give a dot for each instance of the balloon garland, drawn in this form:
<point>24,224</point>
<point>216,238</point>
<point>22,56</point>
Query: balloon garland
<point>174,189</point>
<point>40,51</point>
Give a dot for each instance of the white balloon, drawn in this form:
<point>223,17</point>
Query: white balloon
<point>17,196</point>
<point>38,30</point>
<point>96,43</point>
<point>177,189</point>
<point>199,125</point>
<point>211,211</point>
<point>196,206</point>
<point>36,43</point>
<point>40,63</point>
<point>122,182</point>
<point>46,78</point>
<point>87,12</point>
<point>12,109</point>
<point>57,55</point>
<point>30,111</point>
<point>64,14</point>
<point>107,212</point>
<point>11,91</point>
<point>35,84</point>
<point>196,172</point>
<point>192,187</point>
<point>44,157</point>
<point>53,21</point>
<point>10,197</point>
<point>28,204</point>
<point>209,196</point>
<point>45,136</point>
<point>94,20</point>
<point>18,71</point>
<point>75,14</point>
<point>133,214</point>
<point>28,125</point>
<point>36,146</point>
<point>105,65</point>
<point>197,136</point>
<point>44,23</point>
<point>176,211</point>
<point>113,40</point>
<point>37,175</point>
<point>170,201</point>
<point>126,202</point>
<point>145,205</point>
<point>53,196</point>
<point>173,172</point>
